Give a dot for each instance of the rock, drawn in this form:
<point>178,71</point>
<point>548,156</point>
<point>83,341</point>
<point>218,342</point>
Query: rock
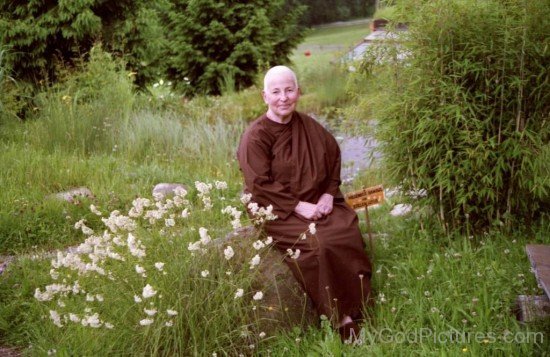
<point>401,209</point>
<point>73,194</point>
<point>285,304</point>
<point>167,189</point>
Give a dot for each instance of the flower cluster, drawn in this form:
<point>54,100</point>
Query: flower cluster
<point>94,258</point>
<point>204,194</point>
<point>235,214</point>
<point>122,249</point>
<point>261,214</point>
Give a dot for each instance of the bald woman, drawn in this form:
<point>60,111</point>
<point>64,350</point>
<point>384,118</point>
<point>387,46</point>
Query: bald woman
<point>290,161</point>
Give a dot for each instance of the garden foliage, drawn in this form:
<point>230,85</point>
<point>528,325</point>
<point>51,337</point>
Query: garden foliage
<point>41,35</point>
<point>215,45</point>
<point>465,116</point>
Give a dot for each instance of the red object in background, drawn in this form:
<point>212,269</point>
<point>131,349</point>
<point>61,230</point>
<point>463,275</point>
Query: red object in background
<point>307,53</point>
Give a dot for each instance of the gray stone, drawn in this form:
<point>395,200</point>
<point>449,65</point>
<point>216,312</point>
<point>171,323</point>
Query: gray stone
<point>73,194</point>
<point>167,189</point>
<point>285,304</point>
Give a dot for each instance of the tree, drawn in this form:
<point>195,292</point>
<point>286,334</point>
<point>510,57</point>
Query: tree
<point>216,44</point>
<point>41,34</point>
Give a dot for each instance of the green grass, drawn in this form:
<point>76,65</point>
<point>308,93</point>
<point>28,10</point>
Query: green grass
<point>336,35</point>
<point>426,283</point>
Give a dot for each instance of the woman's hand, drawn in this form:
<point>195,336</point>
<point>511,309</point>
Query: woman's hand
<point>324,206</point>
<point>308,210</point>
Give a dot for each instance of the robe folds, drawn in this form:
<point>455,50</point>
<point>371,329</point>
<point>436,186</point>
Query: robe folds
<point>283,164</point>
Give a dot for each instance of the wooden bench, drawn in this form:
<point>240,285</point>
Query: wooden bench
<point>537,307</point>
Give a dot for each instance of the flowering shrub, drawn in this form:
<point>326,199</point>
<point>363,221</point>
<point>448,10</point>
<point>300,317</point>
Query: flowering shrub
<point>154,262</point>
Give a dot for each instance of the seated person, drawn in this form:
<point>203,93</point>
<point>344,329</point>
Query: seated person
<point>291,162</point>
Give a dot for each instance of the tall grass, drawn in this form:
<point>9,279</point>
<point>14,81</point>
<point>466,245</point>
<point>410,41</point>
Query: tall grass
<point>87,133</point>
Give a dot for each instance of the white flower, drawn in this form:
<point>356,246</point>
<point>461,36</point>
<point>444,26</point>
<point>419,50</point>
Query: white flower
<point>255,261</point>
<point>87,231</point>
<point>258,245</point>
<point>253,207</point>
<point>262,334</point>
<point>95,210</point>
<point>148,291</point>
<point>194,246</point>
<point>185,213</point>
<point>146,322</point>
<point>99,297</point>
<point>203,233</point>
<point>258,296</point>
<point>268,240</point>
<point>312,228</point>
<point>169,222</point>
<point>79,224</point>
<point>92,321</point>
<point>169,323</point>
<point>180,191</point>
<point>159,266</point>
<point>150,312</point>
<point>171,312</point>
<point>239,293</point>
<point>203,188</point>
<point>140,269</point>
<point>74,317</point>
<point>205,273</point>
<point>54,316</point>
<point>228,252</point>
<point>109,326</point>
<point>221,185</point>
<point>293,255</point>
<point>246,197</point>
<point>137,299</point>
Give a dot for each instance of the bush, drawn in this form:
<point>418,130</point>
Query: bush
<point>86,109</point>
<point>465,116</point>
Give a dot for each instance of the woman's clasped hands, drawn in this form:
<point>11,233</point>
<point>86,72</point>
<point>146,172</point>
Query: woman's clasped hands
<point>315,211</point>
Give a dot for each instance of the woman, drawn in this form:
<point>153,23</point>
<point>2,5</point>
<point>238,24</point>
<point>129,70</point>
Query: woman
<point>291,162</point>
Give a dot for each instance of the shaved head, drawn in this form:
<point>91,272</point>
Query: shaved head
<point>276,72</point>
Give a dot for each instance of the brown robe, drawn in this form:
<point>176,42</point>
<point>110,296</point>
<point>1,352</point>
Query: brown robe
<point>283,164</point>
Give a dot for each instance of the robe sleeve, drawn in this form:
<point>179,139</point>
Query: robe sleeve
<point>255,163</point>
<point>333,186</point>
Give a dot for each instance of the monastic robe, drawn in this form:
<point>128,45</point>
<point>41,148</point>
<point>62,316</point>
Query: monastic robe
<point>283,164</point>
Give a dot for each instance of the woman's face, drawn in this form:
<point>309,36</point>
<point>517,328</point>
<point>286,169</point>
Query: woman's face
<point>281,96</point>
